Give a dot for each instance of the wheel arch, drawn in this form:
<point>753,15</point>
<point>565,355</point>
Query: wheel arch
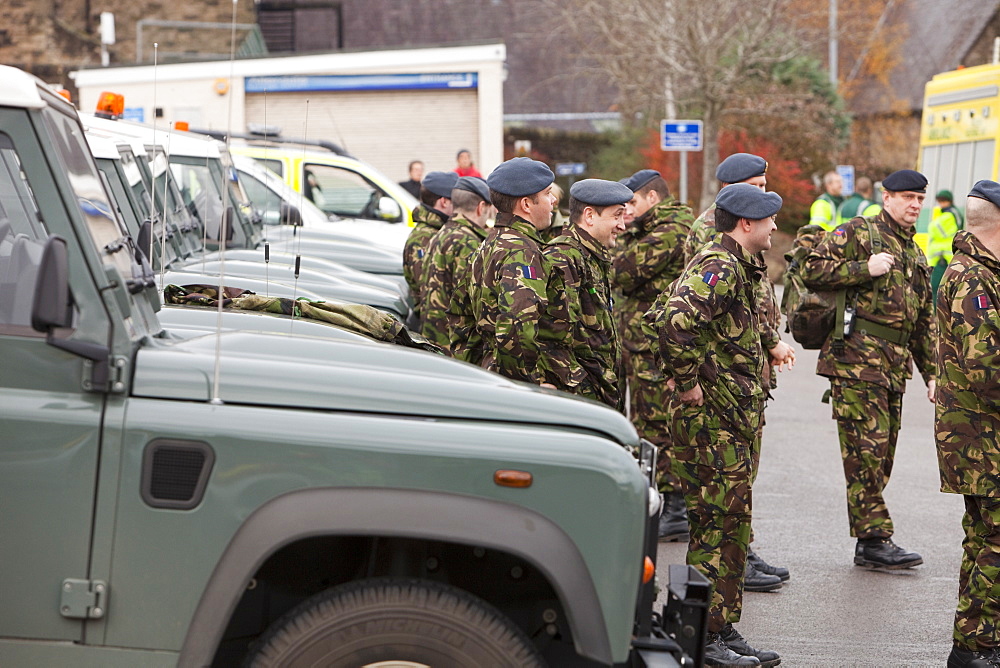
<point>397,513</point>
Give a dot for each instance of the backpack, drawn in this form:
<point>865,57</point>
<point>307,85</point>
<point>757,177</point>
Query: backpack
<point>812,315</point>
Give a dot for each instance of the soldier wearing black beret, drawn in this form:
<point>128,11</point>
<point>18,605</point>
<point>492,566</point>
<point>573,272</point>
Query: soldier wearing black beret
<point>648,257</point>
<point>587,356</point>
<point>428,218</point>
<point>712,348</point>
<point>889,325</point>
<point>967,420</point>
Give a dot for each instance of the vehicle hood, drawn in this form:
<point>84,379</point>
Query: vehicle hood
<point>318,374</point>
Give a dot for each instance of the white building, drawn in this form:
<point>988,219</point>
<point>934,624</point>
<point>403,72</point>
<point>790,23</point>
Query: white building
<point>385,107</point>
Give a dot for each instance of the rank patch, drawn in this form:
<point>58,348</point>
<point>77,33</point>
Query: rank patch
<point>710,278</point>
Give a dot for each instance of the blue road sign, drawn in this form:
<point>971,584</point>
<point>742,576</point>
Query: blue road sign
<point>570,168</point>
<point>847,176</point>
<point>681,135</point>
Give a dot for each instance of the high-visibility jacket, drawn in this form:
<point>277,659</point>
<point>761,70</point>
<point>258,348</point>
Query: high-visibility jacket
<point>825,213</point>
<point>945,223</point>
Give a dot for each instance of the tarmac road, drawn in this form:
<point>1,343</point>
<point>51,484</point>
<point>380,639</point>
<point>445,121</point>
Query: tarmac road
<point>832,613</point>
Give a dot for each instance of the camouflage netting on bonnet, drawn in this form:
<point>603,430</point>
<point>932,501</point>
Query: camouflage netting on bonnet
<point>358,318</point>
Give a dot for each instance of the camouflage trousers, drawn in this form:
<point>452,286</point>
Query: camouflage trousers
<point>978,613</point>
<point>868,418</point>
<point>715,465</point>
<point>648,398</point>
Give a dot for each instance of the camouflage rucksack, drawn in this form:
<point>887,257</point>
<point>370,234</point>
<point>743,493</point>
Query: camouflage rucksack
<point>812,315</point>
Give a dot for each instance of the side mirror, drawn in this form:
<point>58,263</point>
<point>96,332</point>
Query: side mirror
<point>51,307</point>
<point>144,241</point>
<point>290,215</point>
<point>388,209</point>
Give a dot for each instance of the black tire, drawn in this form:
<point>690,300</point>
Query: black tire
<point>393,619</point>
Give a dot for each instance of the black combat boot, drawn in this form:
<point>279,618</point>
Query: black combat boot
<point>673,518</point>
<point>717,653</point>
<point>882,553</point>
<point>738,644</point>
<point>966,658</point>
<point>754,580</point>
<point>763,567</point>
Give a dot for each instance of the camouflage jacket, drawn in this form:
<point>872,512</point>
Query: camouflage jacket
<point>648,258</point>
<point>446,266</point>
<point>709,332</point>
<point>427,222</point>
<point>702,231</point>
<point>507,294</point>
<point>900,300</point>
<point>967,424</point>
<point>589,357</point>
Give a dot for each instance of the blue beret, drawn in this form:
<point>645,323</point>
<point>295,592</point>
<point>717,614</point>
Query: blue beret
<point>440,183</point>
<point>641,178</point>
<point>740,167</point>
<point>747,201</point>
<point>905,179</point>
<point>988,190</point>
<point>520,177</point>
<point>598,192</point>
<point>474,184</point>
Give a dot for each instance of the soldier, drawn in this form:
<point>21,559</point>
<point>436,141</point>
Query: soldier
<point>448,255</point>
<point>968,421</point>
<point>890,319</point>
<point>648,258</point>
<point>711,345</point>
<point>752,169</point>
<point>506,293</point>
<point>589,359</point>
<point>428,218</point>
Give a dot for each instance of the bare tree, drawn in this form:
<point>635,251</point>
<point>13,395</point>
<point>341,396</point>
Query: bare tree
<point>686,57</point>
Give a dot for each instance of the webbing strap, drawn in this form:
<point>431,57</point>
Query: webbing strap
<point>896,336</point>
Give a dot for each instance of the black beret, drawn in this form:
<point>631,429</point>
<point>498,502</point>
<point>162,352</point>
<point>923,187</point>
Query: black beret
<point>598,192</point>
<point>520,177</point>
<point>740,167</point>
<point>747,201</point>
<point>440,183</point>
<point>641,178</point>
<point>474,184</point>
<point>988,190</point>
<point>905,180</point>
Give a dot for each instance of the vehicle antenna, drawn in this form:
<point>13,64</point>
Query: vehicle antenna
<point>267,245</point>
<point>149,250</point>
<point>298,237</point>
<point>221,296</point>
<point>166,180</point>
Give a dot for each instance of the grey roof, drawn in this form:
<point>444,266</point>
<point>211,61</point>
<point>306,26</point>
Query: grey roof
<point>940,34</point>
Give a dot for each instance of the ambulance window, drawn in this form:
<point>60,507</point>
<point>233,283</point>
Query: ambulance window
<point>275,166</point>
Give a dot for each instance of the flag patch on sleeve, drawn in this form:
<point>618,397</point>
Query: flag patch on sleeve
<point>982,301</point>
<point>420,253</point>
<point>710,278</point>
<point>528,271</point>
<point>839,232</point>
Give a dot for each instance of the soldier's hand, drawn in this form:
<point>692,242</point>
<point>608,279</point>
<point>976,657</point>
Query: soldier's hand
<point>548,385</point>
<point>931,390</point>
<point>782,356</point>
<point>671,384</point>
<point>880,264</point>
<point>693,397</point>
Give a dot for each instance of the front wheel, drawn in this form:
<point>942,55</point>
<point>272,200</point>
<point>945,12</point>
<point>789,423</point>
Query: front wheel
<point>394,622</point>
